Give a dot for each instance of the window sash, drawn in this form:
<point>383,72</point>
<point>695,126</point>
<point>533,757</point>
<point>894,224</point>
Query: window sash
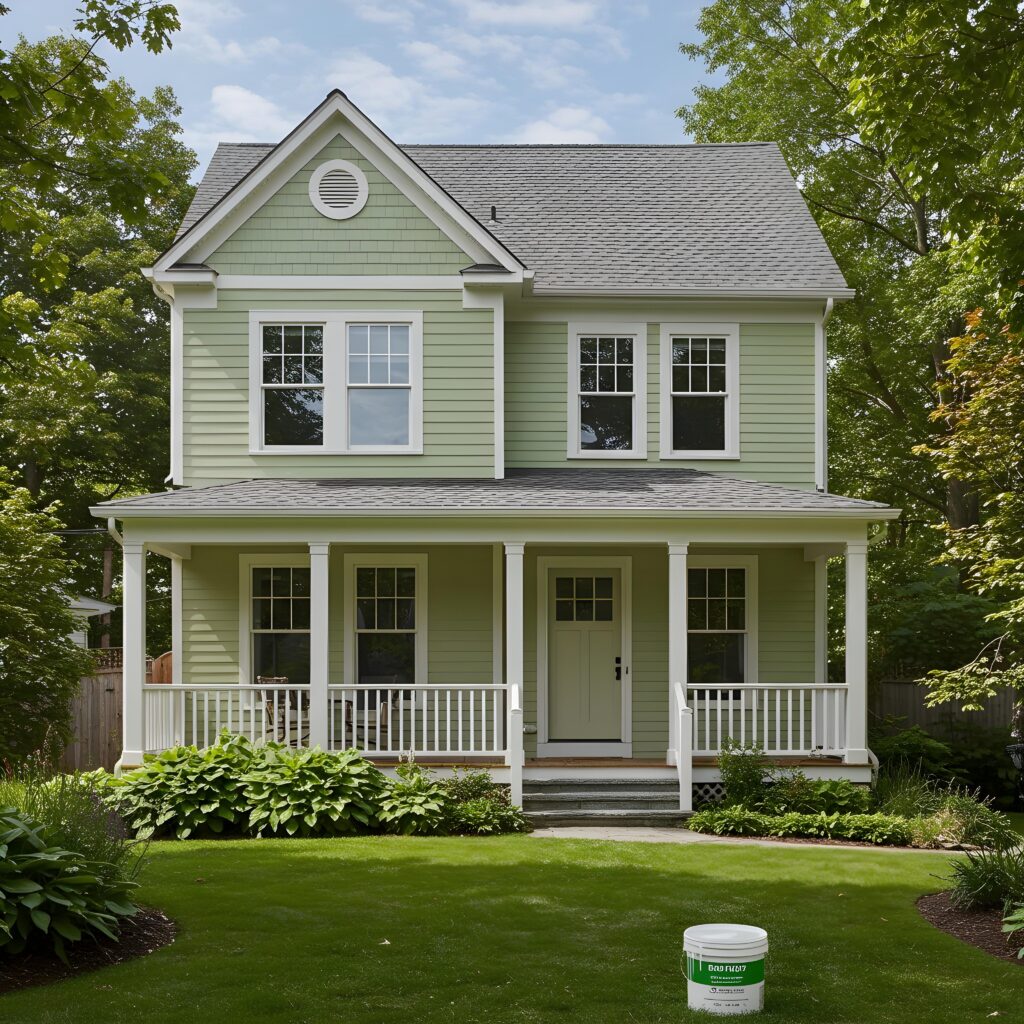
<point>607,370</point>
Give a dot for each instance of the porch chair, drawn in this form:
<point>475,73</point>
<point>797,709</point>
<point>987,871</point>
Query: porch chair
<point>288,711</point>
<point>369,714</point>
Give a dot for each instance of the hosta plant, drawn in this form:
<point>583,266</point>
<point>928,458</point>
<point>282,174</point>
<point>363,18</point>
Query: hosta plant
<point>49,895</point>
<point>414,803</point>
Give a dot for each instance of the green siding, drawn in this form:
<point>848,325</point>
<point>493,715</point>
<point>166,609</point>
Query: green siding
<point>458,389</point>
<point>776,403</point>
<point>388,236</point>
<point>459,642</point>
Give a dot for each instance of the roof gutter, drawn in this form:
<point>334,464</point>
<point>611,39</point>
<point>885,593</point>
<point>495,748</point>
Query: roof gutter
<point>831,295</point>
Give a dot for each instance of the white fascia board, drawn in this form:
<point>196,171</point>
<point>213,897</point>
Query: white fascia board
<point>181,275</point>
<point>128,512</point>
<point>401,166</point>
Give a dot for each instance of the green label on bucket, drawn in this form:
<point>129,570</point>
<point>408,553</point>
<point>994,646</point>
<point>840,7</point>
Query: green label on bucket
<point>723,974</point>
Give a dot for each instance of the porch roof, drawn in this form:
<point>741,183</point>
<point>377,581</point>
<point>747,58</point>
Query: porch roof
<point>669,492</point>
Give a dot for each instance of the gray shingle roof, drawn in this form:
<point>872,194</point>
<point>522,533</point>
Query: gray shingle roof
<point>680,491</point>
<point>630,217</point>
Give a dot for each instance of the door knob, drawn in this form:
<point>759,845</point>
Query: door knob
<point>618,669</point>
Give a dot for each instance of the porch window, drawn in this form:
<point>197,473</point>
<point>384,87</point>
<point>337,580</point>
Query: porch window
<point>292,366</point>
<point>280,623</point>
<point>716,627</point>
<point>700,401</point>
<point>385,625</point>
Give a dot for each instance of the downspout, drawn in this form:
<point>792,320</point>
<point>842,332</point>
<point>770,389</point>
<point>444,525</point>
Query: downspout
<point>112,530</point>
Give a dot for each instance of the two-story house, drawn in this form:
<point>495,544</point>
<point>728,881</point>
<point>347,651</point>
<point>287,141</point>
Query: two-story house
<point>502,454</point>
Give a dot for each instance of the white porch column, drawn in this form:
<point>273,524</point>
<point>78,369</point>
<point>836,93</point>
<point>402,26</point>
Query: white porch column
<point>319,643</point>
<point>133,645</point>
<point>677,667</point>
<point>856,652</point>
<point>514,642</point>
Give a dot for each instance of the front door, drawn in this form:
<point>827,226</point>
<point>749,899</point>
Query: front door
<point>584,655</point>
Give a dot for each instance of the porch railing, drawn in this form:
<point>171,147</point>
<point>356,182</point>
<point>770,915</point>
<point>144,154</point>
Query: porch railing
<point>793,719</point>
<point>459,720</point>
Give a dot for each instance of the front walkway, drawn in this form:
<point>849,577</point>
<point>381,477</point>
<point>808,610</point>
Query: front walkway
<point>683,836</point>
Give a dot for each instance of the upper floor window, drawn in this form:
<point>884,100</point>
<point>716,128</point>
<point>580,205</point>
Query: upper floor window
<point>338,382</point>
<point>607,391</point>
<point>699,391</point>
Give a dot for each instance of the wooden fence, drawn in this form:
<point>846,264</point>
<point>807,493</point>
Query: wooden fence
<point>904,699</point>
<point>96,711</point>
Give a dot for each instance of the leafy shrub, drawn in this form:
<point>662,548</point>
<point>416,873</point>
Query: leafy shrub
<point>979,761</point>
<point>483,816</point>
<point>310,792</point>
<point>1013,923</point>
<point>75,815</point>
<point>841,796</point>
<point>729,821</point>
<point>466,784</point>
<point>968,820</point>
<point>49,894</point>
<point>793,791</point>
<point>414,804</point>
<point>926,833</point>
<point>988,878</point>
<point>904,789</point>
<point>915,749</point>
<point>745,773</point>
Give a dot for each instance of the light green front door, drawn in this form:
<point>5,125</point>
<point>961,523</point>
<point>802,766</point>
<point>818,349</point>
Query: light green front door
<point>584,655</point>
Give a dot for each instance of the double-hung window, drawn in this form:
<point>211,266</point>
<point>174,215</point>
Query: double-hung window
<point>721,609</point>
<point>607,391</point>
<point>336,382</point>
<point>699,391</point>
<point>279,622</point>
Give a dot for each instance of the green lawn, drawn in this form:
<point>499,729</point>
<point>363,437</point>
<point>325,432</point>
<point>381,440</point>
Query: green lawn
<point>520,929</point>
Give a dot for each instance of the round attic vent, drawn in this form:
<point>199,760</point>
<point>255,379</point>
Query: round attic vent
<point>338,189</point>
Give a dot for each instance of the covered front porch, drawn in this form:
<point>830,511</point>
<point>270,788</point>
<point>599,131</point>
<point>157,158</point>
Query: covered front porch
<point>601,647</point>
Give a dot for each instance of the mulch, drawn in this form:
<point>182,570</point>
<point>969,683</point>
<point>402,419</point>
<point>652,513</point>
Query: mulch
<point>142,934</point>
<point>980,928</point>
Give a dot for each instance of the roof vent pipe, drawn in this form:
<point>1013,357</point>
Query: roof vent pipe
<point>494,214</point>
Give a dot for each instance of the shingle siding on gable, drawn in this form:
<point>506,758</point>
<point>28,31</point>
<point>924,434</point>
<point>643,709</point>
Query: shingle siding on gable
<point>458,389</point>
<point>776,403</point>
<point>389,236</point>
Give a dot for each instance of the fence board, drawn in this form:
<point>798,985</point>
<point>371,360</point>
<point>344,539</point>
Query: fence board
<point>95,722</point>
<point>905,700</point>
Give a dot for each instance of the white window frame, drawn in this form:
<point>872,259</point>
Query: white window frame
<point>731,333</point>
<point>246,564</point>
<point>638,331</point>
<point>335,325</point>
<point>416,561</point>
<point>749,563</point>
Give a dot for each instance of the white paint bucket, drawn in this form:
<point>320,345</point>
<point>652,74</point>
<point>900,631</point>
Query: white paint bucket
<point>725,967</point>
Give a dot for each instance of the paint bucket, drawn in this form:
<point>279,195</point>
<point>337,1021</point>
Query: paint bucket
<point>725,967</point>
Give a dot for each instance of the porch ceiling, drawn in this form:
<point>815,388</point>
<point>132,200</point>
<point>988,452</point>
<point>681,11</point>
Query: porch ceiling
<point>681,492</point>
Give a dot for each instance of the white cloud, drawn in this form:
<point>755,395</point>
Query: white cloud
<point>395,13</point>
<point>410,109</point>
<point>237,114</point>
<point>205,28</point>
<point>565,124</point>
<point>435,59</point>
<point>561,14</point>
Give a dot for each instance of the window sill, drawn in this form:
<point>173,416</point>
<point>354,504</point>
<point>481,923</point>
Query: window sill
<point>607,455</point>
<point>334,451</point>
<point>701,455</point>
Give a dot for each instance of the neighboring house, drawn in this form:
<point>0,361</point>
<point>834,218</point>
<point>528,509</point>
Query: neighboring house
<point>83,609</point>
<point>503,454</point>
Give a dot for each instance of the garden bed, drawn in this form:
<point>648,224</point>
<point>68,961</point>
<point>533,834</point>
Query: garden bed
<point>980,928</point>
<point>146,932</point>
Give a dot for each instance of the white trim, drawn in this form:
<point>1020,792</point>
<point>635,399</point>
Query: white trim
<point>177,397</point>
<point>624,565</point>
<point>638,331</point>
<point>246,563</point>
<point>584,749</point>
<point>285,160</point>
<point>494,300</point>
<point>678,554</point>
<point>836,294</point>
<point>821,619</point>
<point>332,212</point>
<point>731,333</point>
<point>820,406</point>
<point>341,282</point>
<point>856,627</point>
<point>417,561</point>
<point>335,374</point>
<point>319,641</point>
<point>497,615</point>
<point>177,622</point>
<point>748,562</point>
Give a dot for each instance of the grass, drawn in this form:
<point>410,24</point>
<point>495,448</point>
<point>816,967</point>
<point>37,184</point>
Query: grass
<point>509,929</point>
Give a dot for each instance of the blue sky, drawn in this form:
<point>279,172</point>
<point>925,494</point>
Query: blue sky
<point>424,70</point>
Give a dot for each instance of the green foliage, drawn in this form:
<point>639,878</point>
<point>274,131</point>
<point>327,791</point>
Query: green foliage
<point>185,790</point>
<point>74,812</point>
<point>484,816</point>
<point>53,895</point>
<point>965,820</point>
<point>744,771</point>
<point>903,788</point>
<point>878,829</point>
<point>39,663</point>
<point>793,791</point>
<point>988,878</point>
<point>1013,923</point>
<point>310,792</point>
<point>414,804</point>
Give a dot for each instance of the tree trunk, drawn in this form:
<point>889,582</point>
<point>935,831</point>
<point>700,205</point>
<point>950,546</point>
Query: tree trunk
<point>33,475</point>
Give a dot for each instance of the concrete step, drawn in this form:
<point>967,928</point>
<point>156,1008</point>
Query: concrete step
<point>617,799</point>
<point>596,816</point>
<point>592,785</point>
